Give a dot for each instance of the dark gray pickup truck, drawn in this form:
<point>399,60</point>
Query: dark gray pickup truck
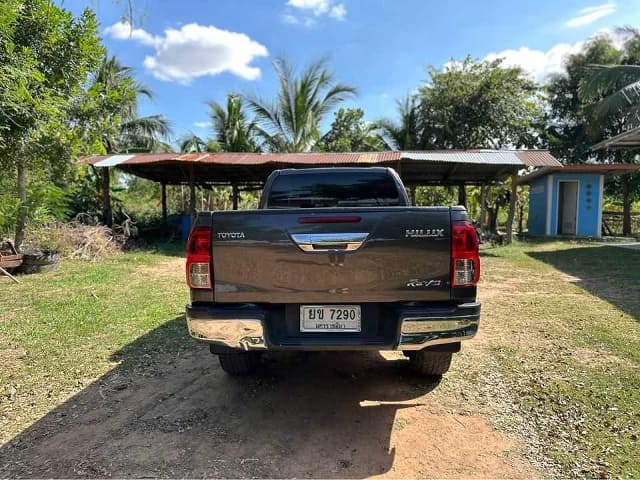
<point>334,259</point>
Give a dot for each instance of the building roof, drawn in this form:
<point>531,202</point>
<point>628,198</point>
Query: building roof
<point>629,139</point>
<point>594,168</point>
<point>437,166</point>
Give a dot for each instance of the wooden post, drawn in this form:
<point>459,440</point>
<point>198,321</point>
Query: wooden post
<point>412,195</point>
<point>234,188</point>
<point>164,203</point>
<point>512,206</point>
<point>462,195</point>
<point>107,212</point>
<point>483,201</point>
<point>192,195</point>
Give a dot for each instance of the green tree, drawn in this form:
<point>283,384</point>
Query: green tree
<point>614,89</point>
<point>291,123</point>
<point>408,132</point>
<point>192,143</point>
<point>474,104</point>
<point>233,132</point>
<point>350,133</point>
<point>588,105</point>
<point>109,114</point>
<point>45,57</point>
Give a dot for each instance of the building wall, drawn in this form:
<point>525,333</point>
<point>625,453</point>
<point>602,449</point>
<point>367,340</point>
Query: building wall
<point>537,206</point>
<point>589,216</point>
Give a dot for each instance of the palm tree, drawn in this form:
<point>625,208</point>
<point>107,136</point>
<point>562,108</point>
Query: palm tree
<point>291,123</point>
<point>131,131</point>
<point>407,134</point>
<point>116,118</point>
<point>615,89</point>
<point>192,143</point>
<point>233,132</point>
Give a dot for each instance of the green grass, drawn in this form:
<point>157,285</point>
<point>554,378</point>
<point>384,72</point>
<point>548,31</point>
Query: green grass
<point>60,330</point>
<point>561,322</point>
<point>575,369</point>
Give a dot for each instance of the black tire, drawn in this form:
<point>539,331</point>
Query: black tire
<point>241,363</point>
<point>429,363</point>
<point>41,261</point>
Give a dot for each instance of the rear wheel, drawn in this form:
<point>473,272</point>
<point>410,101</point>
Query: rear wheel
<point>241,363</point>
<point>428,362</point>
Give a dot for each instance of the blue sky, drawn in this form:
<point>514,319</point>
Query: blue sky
<point>191,51</point>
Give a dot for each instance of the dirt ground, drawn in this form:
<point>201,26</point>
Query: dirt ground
<point>320,415</point>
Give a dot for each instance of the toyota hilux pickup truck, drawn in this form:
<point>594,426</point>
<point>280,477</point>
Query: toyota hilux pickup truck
<point>333,259</point>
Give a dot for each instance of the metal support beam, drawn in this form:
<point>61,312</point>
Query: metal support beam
<point>512,206</point>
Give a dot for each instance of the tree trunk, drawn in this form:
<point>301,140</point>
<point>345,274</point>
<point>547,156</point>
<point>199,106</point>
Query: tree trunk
<point>626,206</point>
<point>520,217</point>
<point>21,221</point>
<point>462,196</point>
<point>107,212</point>
<point>493,218</point>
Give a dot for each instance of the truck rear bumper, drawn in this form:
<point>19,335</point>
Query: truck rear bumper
<point>246,327</point>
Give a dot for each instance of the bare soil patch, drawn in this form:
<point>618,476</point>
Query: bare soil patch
<point>329,415</point>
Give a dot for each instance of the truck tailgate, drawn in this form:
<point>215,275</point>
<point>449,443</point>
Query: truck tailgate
<point>382,254</point>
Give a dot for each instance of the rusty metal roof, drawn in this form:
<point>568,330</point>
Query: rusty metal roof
<point>629,140</point>
<point>437,166</point>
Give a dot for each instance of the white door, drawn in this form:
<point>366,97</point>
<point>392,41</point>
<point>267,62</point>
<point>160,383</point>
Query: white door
<point>568,208</point>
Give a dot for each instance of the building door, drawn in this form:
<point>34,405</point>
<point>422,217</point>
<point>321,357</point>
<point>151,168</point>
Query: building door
<point>567,208</point>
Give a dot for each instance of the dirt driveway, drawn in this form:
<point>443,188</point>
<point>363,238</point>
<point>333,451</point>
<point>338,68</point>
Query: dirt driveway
<point>334,415</point>
<point>322,415</point>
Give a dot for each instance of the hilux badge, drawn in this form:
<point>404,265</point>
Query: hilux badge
<point>424,233</point>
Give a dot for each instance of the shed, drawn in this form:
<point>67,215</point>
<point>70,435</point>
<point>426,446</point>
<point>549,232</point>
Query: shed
<point>569,200</point>
<point>248,171</point>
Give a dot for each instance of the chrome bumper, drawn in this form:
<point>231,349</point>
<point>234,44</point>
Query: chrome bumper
<point>244,329</point>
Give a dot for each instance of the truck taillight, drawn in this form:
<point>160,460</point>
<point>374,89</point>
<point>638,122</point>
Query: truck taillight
<point>199,258</point>
<point>465,254</point>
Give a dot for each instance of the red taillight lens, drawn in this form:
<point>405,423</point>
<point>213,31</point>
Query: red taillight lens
<point>199,258</point>
<point>465,254</point>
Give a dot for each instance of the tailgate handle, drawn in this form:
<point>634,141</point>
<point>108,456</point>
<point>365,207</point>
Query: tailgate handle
<point>327,242</point>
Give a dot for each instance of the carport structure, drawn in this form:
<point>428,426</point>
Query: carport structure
<point>248,171</point>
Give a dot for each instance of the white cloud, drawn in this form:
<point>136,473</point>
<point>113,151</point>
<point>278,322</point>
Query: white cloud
<point>202,124</point>
<point>338,11</point>
<point>306,12</point>
<point>540,64</point>
<point>537,63</point>
<point>124,31</point>
<point>588,15</point>
<point>194,51</point>
<point>318,7</point>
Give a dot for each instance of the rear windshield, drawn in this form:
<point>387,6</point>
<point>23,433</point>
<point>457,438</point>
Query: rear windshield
<point>335,189</point>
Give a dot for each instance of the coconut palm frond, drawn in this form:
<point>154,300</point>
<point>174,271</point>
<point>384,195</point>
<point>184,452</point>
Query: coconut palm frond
<point>615,89</point>
<point>292,121</point>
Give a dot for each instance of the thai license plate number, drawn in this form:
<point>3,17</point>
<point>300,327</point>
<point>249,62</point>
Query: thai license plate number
<point>330,318</point>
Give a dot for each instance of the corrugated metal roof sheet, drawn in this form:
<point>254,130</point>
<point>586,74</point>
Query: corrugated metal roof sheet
<point>537,158</point>
<point>469,157</point>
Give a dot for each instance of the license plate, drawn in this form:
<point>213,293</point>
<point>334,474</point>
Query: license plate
<point>330,318</point>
